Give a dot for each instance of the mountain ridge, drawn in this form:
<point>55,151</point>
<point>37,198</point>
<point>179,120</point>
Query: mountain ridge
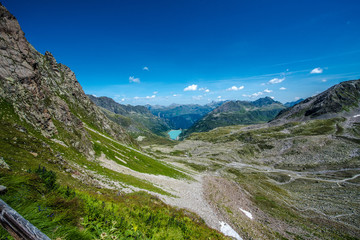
<point>136,119</point>
<point>238,112</point>
<point>182,115</point>
<point>338,99</point>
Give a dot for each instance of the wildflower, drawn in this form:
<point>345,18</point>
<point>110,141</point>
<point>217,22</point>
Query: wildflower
<point>103,235</point>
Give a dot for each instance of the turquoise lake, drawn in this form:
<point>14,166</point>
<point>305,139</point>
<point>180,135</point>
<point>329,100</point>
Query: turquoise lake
<point>174,134</point>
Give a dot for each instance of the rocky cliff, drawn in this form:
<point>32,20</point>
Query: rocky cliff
<point>46,94</point>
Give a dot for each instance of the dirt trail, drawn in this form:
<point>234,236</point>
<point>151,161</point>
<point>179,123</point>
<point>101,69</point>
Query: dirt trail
<point>189,194</point>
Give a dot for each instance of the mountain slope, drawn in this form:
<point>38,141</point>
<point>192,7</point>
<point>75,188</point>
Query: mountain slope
<point>341,99</point>
<point>44,105</point>
<point>45,93</point>
<point>136,119</point>
<point>236,113</point>
<point>67,167</point>
<point>300,171</point>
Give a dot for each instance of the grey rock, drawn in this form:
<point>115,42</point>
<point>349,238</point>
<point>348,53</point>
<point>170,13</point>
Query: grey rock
<point>3,189</point>
<point>3,164</point>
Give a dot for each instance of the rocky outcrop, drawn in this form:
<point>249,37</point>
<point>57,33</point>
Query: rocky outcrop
<point>44,93</point>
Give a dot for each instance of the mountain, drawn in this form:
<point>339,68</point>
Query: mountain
<point>290,104</point>
<point>135,119</point>
<point>340,100</point>
<point>238,113</point>
<point>183,116</point>
<point>45,94</point>
<point>300,171</point>
<point>67,168</point>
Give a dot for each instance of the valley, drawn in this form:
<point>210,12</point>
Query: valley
<point>78,166</point>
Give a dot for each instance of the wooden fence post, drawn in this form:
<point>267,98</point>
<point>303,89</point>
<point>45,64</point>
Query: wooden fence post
<point>17,226</point>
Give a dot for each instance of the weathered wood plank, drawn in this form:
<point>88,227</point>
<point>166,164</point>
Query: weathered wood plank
<point>17,226</point>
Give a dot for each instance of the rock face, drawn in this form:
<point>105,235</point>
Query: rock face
<point>238,112</point>
<point>338,101</point>
<point>134,118</point>
<point>45,93</point>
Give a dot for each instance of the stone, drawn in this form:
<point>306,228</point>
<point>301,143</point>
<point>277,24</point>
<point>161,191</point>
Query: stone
<point>3,189</point>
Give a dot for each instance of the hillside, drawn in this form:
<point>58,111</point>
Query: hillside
<point>341,99</point>
<point>300,174</point>
<point>137,120</point>
<point>182,116</point>
<point>238,113</point>
<point>73,168</point>
<point>67,168</point>
<point>45,94</point>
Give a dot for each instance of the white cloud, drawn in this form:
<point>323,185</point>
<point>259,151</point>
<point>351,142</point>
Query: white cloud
<point>235,88</point>
<point>324,80</point>
<point>146,69</point>
<point>253,95</point>
<point>297,98</point>
<point>204,89</point>
<point>150,97</point>
<point>272,97</point>
<point>276,80</point>
<point>136,98</point>
<point>191,88</point>
<point>282,88</point>
<point>156,92</point>
<point>133,79</point>
<point>267,91</point>
<point>218,97</point>
<point>175,95</point>
<point>123,99</point>
<point>316,70</point>
<point>257,94</point>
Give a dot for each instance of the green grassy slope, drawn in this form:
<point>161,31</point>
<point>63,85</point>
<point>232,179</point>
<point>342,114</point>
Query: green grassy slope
<point>68,207</point>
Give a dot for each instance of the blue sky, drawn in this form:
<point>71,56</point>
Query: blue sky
<point>188,51</point>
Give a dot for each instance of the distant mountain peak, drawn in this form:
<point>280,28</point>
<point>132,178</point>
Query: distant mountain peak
<point>290,104</point>
<point>264,101</point>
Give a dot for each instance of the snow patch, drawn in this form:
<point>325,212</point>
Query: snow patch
<point>358,115</point>
<point>227,230</point>
<point>140,138</point>
<point>248,214</point>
